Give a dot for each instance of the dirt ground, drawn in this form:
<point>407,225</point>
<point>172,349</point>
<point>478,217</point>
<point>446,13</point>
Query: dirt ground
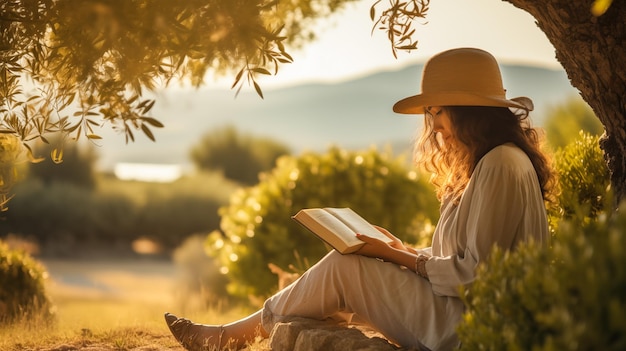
<point>156,345</point>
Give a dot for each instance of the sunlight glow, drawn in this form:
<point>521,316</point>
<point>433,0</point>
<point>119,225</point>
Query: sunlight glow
<point>148,172</point>
<point>146,246</point>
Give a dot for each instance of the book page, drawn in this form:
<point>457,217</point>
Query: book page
<point>334,225</point>
<point>357,223</point>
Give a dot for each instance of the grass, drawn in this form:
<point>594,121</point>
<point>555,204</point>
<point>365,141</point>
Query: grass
<point>94,321</point>
<point>106,324</point>
<point>102,324</point>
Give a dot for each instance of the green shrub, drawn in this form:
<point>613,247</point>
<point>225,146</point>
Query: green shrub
<point>172,212</point>
<point>171,217</point>
<point>583,178</point>
<point>22,290</point>
<point>566,120</point>
<point>570,296</point>
<point>565,296</point>
<point>61,215</point>
<point>258,228</point>
<point>240,157</point>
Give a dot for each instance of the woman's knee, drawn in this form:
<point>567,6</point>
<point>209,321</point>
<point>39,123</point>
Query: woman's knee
<point>335,258</point>
<point>339,263</point>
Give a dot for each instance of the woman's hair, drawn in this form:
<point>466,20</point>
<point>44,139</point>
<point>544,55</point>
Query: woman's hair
<point>478,129</point>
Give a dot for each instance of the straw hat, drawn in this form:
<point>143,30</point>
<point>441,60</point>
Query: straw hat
<point>461,77</point>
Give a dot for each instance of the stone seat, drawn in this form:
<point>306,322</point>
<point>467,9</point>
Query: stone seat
<point>302,334</point>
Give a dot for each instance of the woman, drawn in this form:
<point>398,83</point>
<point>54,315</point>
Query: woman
<point>491,178</point>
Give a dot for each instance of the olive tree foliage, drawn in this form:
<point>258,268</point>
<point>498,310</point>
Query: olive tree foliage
<point>69,67</point>
<point>9,156</point>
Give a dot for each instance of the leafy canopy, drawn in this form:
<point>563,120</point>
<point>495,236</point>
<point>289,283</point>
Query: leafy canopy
<point>71,66</point>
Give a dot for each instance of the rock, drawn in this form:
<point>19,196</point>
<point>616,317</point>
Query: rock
<point>301,334</point>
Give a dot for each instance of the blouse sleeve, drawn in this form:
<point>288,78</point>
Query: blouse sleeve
<point>489,213</point>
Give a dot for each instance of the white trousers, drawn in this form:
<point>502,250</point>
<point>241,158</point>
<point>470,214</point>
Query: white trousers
<point>392,300</point>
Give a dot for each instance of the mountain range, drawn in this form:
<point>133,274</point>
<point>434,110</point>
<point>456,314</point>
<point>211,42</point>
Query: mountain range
<point>353,114</point>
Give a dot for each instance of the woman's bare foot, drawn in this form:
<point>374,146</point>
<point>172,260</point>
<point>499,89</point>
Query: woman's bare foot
<point>193,336</point>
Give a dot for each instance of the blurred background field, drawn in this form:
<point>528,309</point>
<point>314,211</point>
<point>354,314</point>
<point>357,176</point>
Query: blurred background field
<point>110,304</point>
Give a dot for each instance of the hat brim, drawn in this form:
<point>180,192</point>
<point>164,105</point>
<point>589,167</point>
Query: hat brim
<point>416,104</point>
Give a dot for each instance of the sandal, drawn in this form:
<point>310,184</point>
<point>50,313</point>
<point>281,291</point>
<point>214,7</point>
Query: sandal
<point>191,335</point>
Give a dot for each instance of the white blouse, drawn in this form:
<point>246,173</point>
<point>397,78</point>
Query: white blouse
<point>501,205</point>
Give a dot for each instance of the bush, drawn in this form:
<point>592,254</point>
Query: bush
<point>565,121</point>
<point>257,225</point>
<point>22,290</point>
<point>583,178</point>
<point>170,217</point>
<point>566,297</point>
<point>61,216</point>
<point>170,213</point>
<point>240,157</point>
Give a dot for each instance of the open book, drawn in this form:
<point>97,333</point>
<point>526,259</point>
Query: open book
<point>338,227</point>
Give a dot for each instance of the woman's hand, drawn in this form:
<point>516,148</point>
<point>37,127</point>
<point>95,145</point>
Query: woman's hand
<point>396,243</point>
<point>374,248</point>
<point>378,248</point>
<point>394,252</point>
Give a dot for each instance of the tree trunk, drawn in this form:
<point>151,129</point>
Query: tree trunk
<point>592,51</point>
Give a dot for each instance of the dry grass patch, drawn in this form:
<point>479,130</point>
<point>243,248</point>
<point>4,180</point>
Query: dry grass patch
<point>124,313</point>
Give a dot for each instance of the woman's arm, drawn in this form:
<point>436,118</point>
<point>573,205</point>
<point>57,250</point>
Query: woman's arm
<point>394,252</point>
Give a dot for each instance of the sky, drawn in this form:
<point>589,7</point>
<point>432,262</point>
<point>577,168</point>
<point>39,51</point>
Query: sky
<point>347,47</point>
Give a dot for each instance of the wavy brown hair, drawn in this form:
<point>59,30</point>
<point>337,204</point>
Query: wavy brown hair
<point>478,129</point>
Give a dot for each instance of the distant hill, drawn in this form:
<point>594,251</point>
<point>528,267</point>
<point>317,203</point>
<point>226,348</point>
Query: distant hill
<point>353,114</point>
